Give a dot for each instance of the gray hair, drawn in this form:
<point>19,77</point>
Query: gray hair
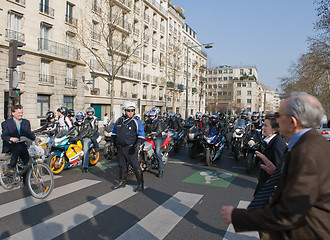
<point>305,108</point>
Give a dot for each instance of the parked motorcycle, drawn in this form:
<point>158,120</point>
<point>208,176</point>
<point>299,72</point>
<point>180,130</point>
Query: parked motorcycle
<point>195,145</point>
<point>65,154</point>
<point>147,154</point>
<point>110,150</point>
<point>237,139</point>
<point>252,143</point>
<point>214,144</point>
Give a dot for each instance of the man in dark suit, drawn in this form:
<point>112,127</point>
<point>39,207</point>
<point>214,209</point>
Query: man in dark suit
<point>300,206</point>
<point>12,129</point>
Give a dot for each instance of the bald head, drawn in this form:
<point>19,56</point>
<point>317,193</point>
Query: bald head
<point>305,108</point>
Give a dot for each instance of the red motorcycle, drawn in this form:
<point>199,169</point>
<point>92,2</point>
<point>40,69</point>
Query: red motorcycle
<point>147,154</point>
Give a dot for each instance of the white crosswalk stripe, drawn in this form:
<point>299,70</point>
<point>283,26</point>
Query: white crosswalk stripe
<point>24,203</point>
<point>163,219</point>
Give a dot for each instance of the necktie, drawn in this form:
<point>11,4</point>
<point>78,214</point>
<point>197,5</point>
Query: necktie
<point>262,197</point>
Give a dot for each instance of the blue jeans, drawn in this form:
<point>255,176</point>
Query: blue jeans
<point>158,146</point>
<point>87,142</point>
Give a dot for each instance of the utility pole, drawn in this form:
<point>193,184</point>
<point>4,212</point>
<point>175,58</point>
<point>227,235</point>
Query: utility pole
<point>13,62</point>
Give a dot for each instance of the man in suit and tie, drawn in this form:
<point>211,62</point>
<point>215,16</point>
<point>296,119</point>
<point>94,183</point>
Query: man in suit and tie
<point>300,206</point>
<point>12,129</point>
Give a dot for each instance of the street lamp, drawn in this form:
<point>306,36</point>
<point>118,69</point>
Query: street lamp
<point>207,46</point>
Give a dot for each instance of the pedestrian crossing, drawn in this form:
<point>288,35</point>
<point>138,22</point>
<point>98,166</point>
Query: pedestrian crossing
<point>156,224</point>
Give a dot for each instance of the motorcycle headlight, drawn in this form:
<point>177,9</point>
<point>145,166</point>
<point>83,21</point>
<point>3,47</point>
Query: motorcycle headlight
<point>238,131</point>
<point>191,136</point>
<point>251,143</point>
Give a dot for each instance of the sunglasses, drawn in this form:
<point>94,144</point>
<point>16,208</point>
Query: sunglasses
<point>129,110</point>
<point>278,115</point>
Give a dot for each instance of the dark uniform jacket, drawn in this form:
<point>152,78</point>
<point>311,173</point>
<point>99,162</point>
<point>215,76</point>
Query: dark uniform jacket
<point>9,130</point>
<point>128,131</point>
<point>155,126</point>
<point>300,207</point>
<point>88,129</point>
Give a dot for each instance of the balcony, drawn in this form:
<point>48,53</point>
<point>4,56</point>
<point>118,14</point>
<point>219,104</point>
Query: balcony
<point>162,46</point>
<point>11,34</point>
<point>154,23</point>
<point>120,47</point>
<point>145,37</point>
<point>95,36</point>
<point>146,18</point>
<point>154,60</point>
<point>46,79</point>
<point>20,74</point>
<point>96,8</point>
<point>22,2</point>
<point>170,84</point>
<point>154,42</point>
<point>181,87</point>
<point>145,57</point>
<point>136,9</point>
<point>46,10</point>
<point>59,49</point>
<point>95,91</point>
<point>71,20</point>
<point>72,83</point>
<point>136,30</point>
<point>162,28</point>
<point>96,66</point>
<point>125,4</point>
<point>121,24</point>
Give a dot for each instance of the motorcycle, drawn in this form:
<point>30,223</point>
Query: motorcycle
<point>178,139</point>
<point>252,143</point>
<point>195,146</point>
<point>214,144</point>
<point>237,138</point>
<point>65,154</point>
<point>110,150</point>
<point>147,153</point>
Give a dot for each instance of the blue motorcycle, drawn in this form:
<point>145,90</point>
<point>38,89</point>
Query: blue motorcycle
<point>214,144</point>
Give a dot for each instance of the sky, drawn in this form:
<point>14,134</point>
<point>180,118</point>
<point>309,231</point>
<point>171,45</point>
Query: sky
<point>267,34</point>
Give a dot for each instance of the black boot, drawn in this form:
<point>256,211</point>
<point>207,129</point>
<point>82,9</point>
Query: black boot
<point>160,174</point>
<point>139,179</point>
<point>122,180</point>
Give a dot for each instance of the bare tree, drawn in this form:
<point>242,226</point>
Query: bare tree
<point>110,44</point>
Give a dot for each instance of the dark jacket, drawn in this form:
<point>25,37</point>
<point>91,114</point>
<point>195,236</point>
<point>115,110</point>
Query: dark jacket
<point>128,131</point>
<point>9,130</point>
<point>155,126</point>
<point>88,129</point>
<point>49,128</point>
<point>300,207</point>
<point>274,152</point>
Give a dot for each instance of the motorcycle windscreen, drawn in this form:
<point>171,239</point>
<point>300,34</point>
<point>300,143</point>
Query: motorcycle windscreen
<point>73,153</point>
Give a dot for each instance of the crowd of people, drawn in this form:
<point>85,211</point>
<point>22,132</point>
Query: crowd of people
<point>291,199</point>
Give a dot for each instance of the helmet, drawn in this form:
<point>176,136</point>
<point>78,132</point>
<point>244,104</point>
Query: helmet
<point>146,113</point>
<point>222,115</point>
<point>157,110</point>
<point>138,115</point>
<point>63,110</point>
<point>50,115</point>
<point>128,105</point>
<point>71,112</point>
<point>154,113</point>
<point>199,115</point>
<point>165,115</point>
<point>90,112</point>
<point>172,114</point>
<point>80,117</point>
<point>255,116</point>
<point>191,116</point>
<point>214,116</point>
<point>178,115</point>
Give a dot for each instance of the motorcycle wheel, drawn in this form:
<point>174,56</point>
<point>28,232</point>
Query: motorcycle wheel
<point>249,162</point>
<point>237,151</point>
<point>191,151</point>
<point>55,165</point>
<point>208,157</point>
<point>93,157</point>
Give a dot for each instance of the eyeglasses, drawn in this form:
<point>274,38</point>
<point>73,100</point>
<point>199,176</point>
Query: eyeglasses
<point>128,110</point>
<point>278,115</point>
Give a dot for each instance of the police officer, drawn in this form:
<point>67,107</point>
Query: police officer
<point>128,136</point>
<point>154,125</point>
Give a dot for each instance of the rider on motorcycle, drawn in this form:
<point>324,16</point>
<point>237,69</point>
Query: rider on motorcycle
<point>50,126</point>
<point>154,125</point>
<point>256,121</point>
<point>174,123</point>
<point>64,121</point>
<point>88,133</point>
<point>71,115</point>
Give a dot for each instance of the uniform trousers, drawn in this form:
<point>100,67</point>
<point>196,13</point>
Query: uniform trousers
<point>127,155</point>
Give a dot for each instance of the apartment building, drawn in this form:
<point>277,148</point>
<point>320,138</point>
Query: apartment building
<point>270,99</point>
<point>97,53</point>
<point>232,89</point>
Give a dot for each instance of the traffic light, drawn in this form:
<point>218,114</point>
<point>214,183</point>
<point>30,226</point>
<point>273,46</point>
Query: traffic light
<point>14,53</point>
<point>15,93</point>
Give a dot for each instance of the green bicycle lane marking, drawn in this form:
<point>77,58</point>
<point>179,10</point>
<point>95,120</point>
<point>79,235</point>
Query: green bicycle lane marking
<point>100,166</point>
<point>212,178</point>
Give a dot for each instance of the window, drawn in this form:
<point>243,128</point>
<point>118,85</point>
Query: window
<point>249,109</point>
<point>249,84</point>
<point>210,94</point>
<point>249,101</point>
<point>214,85</point>
<point>238,93</point>
<point>220,71</point>
<point>225,85</point>
<point>230,70</point>
<point>239,84</point>
<point>44,43</point>
<point>249,93</point>
<point>219,94</point>
<point>69,16</point>
<point>225,78</point>
<point>14,25</point>
<point>230,78</point>
<point>220,86</point>
<point>45,7</point>
<point>238,100</point>
<point>224,93</point>
<point>95,31</point>
<point>44,71</point>
<point>220,79</point>
<point>250,71</point>
<point>43,105</point>
<point>68,102</point>
<point>225,71</point>
<point>243,84</point>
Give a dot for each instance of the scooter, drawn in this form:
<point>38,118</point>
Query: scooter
<point>65,154</point>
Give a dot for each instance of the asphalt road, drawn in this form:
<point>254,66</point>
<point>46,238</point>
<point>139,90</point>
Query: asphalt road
<point>184,204</point>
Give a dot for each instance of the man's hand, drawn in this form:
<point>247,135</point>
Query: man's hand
<point>268,166</point>
<point>226,212</point>
<point>14,139</point>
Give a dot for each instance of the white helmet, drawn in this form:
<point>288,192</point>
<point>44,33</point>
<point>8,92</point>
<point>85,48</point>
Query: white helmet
<point>128,105</point>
